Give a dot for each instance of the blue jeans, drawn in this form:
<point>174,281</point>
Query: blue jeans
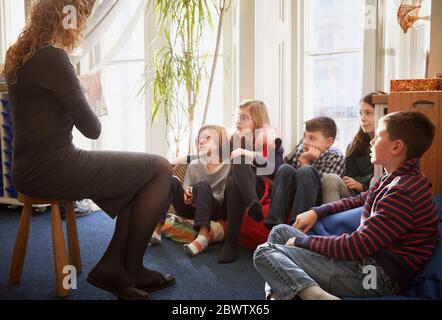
<point>289,270</point>
<point>293,189</point>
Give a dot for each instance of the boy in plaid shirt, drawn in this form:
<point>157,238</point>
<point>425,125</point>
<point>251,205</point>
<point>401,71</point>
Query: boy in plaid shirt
<point>297,185</point>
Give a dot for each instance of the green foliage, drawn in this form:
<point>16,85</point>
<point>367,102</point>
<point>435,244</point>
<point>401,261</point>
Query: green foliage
<point>178,66</point>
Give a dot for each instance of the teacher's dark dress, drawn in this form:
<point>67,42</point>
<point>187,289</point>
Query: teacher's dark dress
<point>47,102</point>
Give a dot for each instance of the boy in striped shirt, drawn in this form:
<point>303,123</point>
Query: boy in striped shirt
<point>397,235</point>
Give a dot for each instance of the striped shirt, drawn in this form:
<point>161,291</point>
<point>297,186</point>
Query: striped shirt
<point>330,161</point>
<point>399,225</point>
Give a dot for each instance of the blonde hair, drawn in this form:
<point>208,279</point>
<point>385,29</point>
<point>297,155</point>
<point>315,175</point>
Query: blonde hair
<point>259,112</point>
<point>45,22</point>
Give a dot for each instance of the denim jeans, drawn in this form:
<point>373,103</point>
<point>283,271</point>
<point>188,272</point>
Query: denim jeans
<point>289,270</point>
<point>334,189</point>
<point>293,189</point>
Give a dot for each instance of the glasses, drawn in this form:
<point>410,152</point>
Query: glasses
<point>203,138</point>
<point>241,117</point>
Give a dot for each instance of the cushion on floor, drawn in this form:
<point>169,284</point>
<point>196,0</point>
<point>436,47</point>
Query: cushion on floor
<point>426,285</point>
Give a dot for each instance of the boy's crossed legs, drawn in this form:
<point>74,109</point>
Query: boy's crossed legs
<point>292,272</point>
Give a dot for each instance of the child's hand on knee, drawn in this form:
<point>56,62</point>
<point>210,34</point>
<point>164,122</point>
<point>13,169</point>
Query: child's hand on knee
<point>353,184</point>
<point>306,221</point>
<point>188,196</point>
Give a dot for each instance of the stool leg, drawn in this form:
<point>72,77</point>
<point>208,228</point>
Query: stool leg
<point>73,243</point>
<point>21,243</point>
<point>59,250</point>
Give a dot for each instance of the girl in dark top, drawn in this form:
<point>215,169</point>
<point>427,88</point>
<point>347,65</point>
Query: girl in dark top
<point>44,88</point>
<point>359,170</point>
<point>257,154</point>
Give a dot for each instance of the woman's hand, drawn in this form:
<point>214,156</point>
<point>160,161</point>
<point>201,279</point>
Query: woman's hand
<point>237,153</point>
<point>188,196</point>
<point>306,221</point>
<point>353,184</point>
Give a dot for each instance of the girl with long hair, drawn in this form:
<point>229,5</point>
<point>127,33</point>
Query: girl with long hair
<point>359,170</point>
<point>260,147</point>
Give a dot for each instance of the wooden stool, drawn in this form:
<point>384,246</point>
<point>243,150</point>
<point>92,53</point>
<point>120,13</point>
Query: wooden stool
<point>58,243</point>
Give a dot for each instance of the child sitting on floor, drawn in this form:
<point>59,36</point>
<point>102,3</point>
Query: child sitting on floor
<point>297,186</point>
<point>201,197</point>
<point>359,170</point>
<point>397,236</point>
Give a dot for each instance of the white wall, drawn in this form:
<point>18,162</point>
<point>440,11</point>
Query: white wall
<point>12,21</point>
<point>273,64</point>
<point>247,49</point>
<point>155,132</point>
<point>2,32</point>
<point>436,38</point>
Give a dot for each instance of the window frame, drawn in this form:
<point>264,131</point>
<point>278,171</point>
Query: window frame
<point>5,26</point>
<point>301,55</point>
<point>93,59</point>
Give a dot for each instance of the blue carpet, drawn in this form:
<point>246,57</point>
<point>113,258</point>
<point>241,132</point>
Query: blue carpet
<point>198,278</point>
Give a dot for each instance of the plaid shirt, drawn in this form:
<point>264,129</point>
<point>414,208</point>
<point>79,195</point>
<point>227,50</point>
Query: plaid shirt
<point>330,161</point>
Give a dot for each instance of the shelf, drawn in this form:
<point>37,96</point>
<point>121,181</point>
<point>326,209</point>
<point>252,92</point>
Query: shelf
<point>7,197</point>
<point>380,99</point>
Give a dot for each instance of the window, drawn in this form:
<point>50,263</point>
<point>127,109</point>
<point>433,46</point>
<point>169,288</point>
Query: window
<point>333,63</point>
<point>406,54</point>
<point>12,22</point>
<point>127,123</point>
<point>124,126</point>
<point>216,109</point>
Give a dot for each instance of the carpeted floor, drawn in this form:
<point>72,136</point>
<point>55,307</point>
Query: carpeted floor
<point>199,278</point>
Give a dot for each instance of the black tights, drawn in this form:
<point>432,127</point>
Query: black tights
<point>123,259</point>
<point>243,187</point>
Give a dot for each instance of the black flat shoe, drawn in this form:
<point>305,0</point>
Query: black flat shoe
<point>100,280</point>
<point>163,281</point>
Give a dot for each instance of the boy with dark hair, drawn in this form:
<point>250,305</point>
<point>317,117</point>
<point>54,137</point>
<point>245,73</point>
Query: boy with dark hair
<point>397,236</point>
<point>297,185</point>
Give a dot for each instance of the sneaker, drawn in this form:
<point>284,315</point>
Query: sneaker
<point>82,208</point>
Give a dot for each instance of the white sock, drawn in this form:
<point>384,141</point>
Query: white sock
<point>274,297</point>
<point>316,293</point>
<point>197,246</point>
<point>156,239</point>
